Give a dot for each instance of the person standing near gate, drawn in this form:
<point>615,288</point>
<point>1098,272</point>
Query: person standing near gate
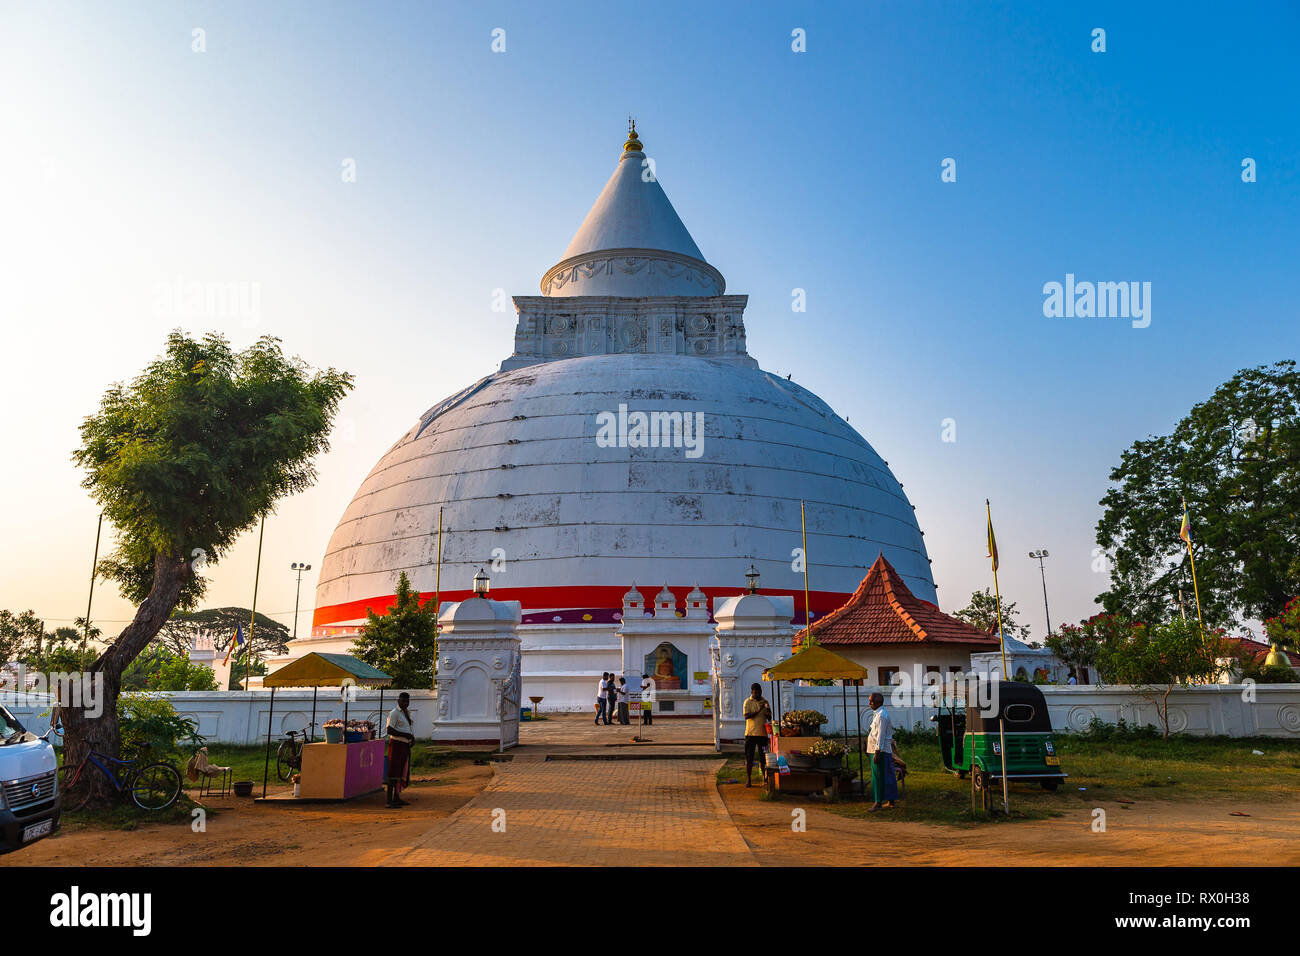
<point>880,745</point>
<point>623,717</point>
<point>757,713</point>
<point>647,704</point>
<point>602,699</point>
<point>401,734</point>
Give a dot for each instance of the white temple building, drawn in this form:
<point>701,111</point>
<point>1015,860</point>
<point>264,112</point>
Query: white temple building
<point>630,437</point>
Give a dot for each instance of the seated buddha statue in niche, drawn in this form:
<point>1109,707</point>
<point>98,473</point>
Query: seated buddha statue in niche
<point>665,677</point>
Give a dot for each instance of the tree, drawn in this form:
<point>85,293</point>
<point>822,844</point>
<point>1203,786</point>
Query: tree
<point>1236,458</point>
<point>269,635</point>
<point>189,455</point>
<point>402,642</point>
<point>21,635</point>
<point>982,613</point>
<point>1078,645</point>
<point>158,668</point>
<point>1156,658</point>
<point>1283,629</point>
<point>239,668</point>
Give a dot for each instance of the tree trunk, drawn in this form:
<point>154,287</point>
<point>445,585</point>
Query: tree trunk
<point>84,731</point>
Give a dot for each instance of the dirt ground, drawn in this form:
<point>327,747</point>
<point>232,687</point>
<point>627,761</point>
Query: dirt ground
<point>242,833</point>
<point>1144,833</point>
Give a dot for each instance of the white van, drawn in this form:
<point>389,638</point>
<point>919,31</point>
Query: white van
<point>29,793</point>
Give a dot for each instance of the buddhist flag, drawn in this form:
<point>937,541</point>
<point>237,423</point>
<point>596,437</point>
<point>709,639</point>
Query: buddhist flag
<point>1185,531</point>
<point>993,543</point>
<point>237,642</point>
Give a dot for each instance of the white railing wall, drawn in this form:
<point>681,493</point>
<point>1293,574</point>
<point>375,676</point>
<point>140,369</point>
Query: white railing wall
<point>1229,710</point>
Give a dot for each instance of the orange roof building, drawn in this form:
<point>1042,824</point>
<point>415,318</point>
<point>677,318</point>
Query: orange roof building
<point>885,627</point>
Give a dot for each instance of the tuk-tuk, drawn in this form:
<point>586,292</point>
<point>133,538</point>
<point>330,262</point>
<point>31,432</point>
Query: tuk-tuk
<point>971,732</point>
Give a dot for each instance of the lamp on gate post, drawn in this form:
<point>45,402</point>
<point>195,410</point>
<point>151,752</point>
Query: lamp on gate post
<point>481,583</point>
<point>1039,555</point>
<point>751,579</point>
<point>300,568</point>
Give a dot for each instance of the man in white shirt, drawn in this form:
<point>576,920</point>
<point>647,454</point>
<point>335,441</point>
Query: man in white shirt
<point>401,734</point>
<point>880,745</point>
<point>603,697</point>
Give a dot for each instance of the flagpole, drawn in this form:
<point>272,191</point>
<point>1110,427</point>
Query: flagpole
<point>807,611</point>
<point>997,595</point>
<point>252,619</point>
<point>85,637</point>
<point>1192,558</point>
<point>437,594</point>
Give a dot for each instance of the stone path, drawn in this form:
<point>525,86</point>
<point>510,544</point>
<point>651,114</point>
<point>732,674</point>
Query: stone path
<point>588,813</point>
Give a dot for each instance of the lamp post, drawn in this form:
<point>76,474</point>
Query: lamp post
<point>751,579</point>
<point>300,568</point>
<point>481,583</point>
<point>1039,555</point>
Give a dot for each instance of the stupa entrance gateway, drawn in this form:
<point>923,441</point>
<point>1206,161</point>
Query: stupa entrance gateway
<point>632,319</point>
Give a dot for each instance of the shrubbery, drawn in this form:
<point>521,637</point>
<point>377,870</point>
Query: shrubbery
<point>149,721</point>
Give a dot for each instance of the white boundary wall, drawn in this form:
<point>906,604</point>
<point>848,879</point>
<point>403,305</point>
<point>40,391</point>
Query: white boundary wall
<point>1203,710</point>
<point>239,717</point>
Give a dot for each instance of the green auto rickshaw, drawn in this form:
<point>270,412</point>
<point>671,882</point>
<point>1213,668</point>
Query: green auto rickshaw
<point>973,724</point>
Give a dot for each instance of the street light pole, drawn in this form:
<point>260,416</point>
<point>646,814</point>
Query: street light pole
<point>1039,555</point>
<point>300,568</point>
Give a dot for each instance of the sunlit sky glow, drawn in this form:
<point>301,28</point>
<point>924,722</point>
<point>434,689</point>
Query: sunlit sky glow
<point>129,163</point>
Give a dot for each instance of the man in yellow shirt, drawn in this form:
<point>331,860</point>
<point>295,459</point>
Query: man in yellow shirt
<point>757,713</point>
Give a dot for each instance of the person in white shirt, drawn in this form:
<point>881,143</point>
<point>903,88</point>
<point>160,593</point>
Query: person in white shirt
<point>880,745</point>
<point>602,699</point>
<point>401,734</point>
<point>621,691</point>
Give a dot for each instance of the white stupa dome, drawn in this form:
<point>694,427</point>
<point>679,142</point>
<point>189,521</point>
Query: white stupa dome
<point>568,521</point>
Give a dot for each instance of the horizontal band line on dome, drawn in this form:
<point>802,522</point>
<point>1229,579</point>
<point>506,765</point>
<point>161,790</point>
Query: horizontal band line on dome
<point>860,569</point>
<point>420,427</point>
<point>804,473</point>
<point>624,524</point>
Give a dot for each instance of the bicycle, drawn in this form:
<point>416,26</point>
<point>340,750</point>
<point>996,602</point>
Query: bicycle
<point>288,757</point>
<point>153,787</point>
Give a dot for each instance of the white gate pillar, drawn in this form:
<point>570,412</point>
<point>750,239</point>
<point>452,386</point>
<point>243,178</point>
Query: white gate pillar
<point>478,673</point>
<point>753,632</point>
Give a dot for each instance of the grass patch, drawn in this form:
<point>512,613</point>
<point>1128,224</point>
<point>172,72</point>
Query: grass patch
<point>1134,766</point>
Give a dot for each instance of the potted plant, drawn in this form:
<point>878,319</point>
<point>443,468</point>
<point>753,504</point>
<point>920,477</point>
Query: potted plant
<point>802,723</point>
<point>828,753</point>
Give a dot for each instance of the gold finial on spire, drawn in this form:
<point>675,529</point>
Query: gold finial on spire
<point>633,145</point>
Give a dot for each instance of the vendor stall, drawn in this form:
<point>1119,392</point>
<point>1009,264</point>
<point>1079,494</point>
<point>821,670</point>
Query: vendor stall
<point>355,764</point>
<point>805,763</point>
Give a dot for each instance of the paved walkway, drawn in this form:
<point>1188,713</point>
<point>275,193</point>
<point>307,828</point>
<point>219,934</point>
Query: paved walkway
<point>588,813</point>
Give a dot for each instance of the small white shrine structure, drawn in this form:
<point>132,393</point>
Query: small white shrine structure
<point>477,677</point>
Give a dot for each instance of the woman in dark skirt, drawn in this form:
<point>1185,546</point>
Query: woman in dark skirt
<point>401,734</point>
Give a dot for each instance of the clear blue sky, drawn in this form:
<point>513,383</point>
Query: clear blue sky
<point>132,162</point>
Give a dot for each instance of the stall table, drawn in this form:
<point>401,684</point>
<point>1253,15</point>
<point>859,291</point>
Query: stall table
<point>331,771</point>
<point>341,771</point>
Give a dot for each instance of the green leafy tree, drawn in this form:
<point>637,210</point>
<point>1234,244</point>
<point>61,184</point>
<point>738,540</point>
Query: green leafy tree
<point>1156,658</point>
<point>158,668</point>
<point>1080,645</point>
<point>982,613</point>
<point>269,635</point>
<point>1284,629</point>
<point>184,459</point>
<point>239,668</point>
<point>21,636</point>
<point>1236,458</point>
<point>150,722</point>
<point>402,642</point>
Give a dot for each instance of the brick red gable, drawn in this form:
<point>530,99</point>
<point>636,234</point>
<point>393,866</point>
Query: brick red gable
<point>883,611</point>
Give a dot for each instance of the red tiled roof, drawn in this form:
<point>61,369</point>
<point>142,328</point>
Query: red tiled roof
<point>883,611</point>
